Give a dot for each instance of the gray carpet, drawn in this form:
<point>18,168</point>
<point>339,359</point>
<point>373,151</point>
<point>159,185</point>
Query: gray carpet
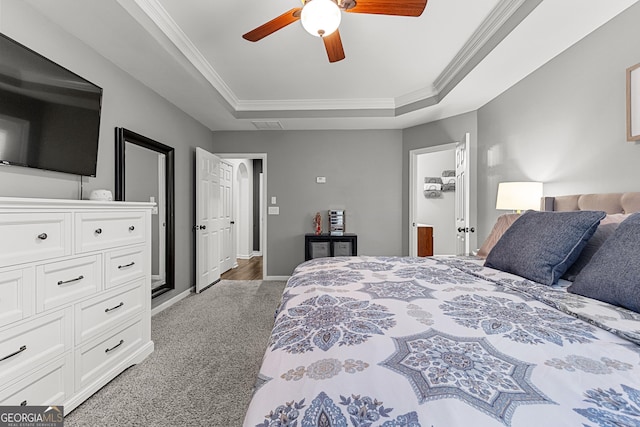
<point>208,349</point>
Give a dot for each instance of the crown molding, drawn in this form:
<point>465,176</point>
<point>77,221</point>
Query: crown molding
<point>317,104</point>
<point>489,27</point>
<point>416,96</point>
<point>412,101</point>
<point>158,14</point>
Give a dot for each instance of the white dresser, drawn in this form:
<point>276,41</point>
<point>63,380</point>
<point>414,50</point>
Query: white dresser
<point>75,297</point>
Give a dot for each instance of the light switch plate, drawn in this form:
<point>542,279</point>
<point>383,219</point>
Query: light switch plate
<point>273,200</point>
<point>321,179</point>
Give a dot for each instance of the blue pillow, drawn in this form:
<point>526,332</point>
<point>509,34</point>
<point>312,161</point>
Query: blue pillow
<point>613,273</point>
<point>541,246</point>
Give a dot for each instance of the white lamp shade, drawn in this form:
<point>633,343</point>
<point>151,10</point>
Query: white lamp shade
<point>519,196</point>
<point>320,17</point>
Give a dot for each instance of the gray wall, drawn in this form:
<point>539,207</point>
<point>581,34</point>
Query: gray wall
<point>126,103</point>
<point>432,134</point>
<point>565,123</point>
<point>364,176</point>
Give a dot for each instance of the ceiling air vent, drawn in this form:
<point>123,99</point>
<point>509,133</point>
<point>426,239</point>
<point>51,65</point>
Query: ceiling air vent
<point>268,125</point>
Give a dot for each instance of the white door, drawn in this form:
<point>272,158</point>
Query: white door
<point>207,227</point>
<point>462,197</point>
<point>227,251</point>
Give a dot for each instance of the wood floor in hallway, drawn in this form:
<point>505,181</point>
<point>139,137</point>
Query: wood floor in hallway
<point>248,269</point>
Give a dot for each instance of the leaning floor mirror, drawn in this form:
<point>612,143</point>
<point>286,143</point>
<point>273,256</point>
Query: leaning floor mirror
<point>144,173</point>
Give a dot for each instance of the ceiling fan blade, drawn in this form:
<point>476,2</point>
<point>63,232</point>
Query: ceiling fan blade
<point>390,7</point>
<point>333,45</point>
<point>274,25</point>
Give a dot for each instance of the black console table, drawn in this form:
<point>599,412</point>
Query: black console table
<point>327,245</point>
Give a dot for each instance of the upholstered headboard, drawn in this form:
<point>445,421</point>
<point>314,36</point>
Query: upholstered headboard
<point>611,203</point>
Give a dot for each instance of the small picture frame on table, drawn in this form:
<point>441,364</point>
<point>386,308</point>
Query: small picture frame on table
<point>633,103</point>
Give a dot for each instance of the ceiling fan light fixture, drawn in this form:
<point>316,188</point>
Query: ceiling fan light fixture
<point>320,17</point>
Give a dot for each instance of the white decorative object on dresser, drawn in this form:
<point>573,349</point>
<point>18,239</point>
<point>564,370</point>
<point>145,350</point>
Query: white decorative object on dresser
<point>75,297</point>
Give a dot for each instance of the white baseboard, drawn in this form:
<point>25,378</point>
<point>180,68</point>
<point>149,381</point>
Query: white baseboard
<point>251,255</point>
<point>171,301</point>
<point>277,278</point>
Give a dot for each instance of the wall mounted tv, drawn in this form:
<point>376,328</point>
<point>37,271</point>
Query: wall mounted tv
<point>49,116</point>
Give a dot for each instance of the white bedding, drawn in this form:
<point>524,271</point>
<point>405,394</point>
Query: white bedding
<point>380,341</point>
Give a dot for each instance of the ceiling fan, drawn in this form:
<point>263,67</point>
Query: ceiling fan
<point>321,18</point>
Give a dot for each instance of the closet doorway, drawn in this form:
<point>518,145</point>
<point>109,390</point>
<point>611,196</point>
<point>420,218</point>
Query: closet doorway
<point>447,210</point>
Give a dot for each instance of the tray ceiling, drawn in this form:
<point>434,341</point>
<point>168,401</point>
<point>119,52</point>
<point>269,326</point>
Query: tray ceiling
<point>398,71</point>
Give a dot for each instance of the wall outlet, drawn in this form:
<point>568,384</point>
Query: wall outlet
<point>321,179</point>
<point>274,210</point>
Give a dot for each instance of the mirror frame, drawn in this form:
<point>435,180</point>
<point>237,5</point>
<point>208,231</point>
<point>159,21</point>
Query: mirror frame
<point>122,136</point>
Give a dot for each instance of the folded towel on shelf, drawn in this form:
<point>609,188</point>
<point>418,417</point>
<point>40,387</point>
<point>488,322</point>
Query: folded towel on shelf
<point>433,180</point>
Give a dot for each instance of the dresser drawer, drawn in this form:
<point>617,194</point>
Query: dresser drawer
<point>34,236</point>
<point>96,231</point>
<point>99,356</point>
<point>27,345</point>
<point>50,385</point>
<point>99,314</point>
<point>62,282</point>
<point>17,295</point>
<point>125,265</point>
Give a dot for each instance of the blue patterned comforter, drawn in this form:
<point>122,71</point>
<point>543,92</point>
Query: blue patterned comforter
<point>443,341</point>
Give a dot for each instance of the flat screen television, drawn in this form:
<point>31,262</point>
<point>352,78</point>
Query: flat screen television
<point>49,116</point>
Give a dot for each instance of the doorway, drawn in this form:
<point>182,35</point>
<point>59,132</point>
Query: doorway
<point>435,207</point>
<point>249,171</point>
<point>456,234</point>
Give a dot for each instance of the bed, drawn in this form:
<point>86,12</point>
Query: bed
<point>504,340</point>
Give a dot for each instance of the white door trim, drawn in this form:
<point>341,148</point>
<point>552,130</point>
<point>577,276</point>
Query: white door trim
<point>263,225</point>
<point>413,189</point>
<point>463,199</point>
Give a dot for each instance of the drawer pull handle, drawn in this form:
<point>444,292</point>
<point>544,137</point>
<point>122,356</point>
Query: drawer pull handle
<point>114,347</point>
<point>23,403</point>
<point>64,282</point>
<point>98,230</point>
<point>127,265</point>
<point>106,310</point>
<point>131,228</point>
<point>42,236</point>
<point>15,353</point>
